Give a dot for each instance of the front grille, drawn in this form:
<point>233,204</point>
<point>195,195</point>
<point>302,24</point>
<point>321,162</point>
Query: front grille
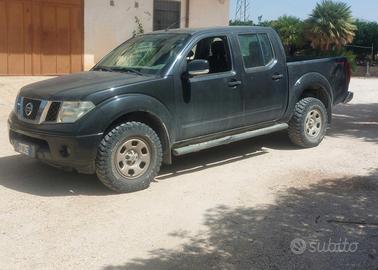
<point>37,111</point>
<point>30,108</point>
<point>52,114</point>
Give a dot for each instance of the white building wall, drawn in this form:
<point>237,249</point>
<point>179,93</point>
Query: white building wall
<point>106,26</point>
<point>207,13</point>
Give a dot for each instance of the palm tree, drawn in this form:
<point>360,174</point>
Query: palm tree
<point>290,30</point>
<point>330,25</point>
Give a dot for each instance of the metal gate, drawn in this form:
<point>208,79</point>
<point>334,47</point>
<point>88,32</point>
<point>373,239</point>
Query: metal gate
<point>167,14</point>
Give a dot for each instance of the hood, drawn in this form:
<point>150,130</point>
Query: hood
<point>80,85</point>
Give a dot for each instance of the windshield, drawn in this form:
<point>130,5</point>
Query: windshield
<point>146,54</point>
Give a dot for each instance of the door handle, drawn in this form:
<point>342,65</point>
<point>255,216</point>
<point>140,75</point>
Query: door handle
<point>234,83</point>
<point>277,77</point>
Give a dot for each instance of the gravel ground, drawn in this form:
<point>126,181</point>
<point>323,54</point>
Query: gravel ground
<point>234,207</point>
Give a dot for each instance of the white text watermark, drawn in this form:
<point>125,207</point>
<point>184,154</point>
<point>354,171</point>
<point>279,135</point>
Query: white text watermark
<point>299,246</point>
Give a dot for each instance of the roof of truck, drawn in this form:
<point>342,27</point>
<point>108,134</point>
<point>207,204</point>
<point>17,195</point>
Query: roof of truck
<point>210,30</point>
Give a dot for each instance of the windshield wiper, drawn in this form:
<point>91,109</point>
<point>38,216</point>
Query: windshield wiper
<point>103,68</point>
<point>127,69</point>
<point>118,69</point>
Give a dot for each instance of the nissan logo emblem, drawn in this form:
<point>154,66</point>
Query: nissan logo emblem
<point>29,109</point>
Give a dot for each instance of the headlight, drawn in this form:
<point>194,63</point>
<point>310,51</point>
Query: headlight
<point>17,105</point>
<point>71,111</point>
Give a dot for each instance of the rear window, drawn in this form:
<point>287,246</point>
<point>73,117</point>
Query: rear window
<point>256,50</point>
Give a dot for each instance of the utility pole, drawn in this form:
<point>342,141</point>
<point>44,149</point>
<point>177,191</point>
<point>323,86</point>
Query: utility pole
<point>242,10</point>
<point>245,10</point>
<point>372,52</point>
<point>368,64</point>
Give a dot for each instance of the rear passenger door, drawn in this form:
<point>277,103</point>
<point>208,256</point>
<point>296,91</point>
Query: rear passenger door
<point>265,78</point>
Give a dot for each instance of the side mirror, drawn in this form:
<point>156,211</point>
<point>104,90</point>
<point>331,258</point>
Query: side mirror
<point>198,67</point>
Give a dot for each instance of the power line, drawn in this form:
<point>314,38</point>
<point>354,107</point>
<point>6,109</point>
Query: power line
<point>371,48</point>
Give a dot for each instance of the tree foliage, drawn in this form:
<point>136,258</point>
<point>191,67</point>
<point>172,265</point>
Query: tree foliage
<point>366,35</point>
<point>290,30</point>
<point>241,23</point>
<point>139,27</point>
<point>330,25</point>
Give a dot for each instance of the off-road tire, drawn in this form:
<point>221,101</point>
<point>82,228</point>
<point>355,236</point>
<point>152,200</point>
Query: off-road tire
<point>297,126</point>
<point>106,169</point>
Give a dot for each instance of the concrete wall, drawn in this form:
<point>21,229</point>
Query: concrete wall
<point>205,13</point>
<point>106,26</point>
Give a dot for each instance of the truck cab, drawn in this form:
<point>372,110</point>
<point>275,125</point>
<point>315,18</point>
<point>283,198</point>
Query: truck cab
<point>233,72</point>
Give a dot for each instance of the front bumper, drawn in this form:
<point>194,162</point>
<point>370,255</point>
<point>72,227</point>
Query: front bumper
<point>63,150</point>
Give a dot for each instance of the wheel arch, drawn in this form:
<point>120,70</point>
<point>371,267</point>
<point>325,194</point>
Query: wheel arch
<point>146,110</point>
<point>314,85</point>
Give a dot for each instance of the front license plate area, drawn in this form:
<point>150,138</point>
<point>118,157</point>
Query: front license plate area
<point>25,148</point>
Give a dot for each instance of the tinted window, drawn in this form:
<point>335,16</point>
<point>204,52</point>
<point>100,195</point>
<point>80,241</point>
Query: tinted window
<point>215,50</point>
<point>256,50</point>
<point>266,47</point>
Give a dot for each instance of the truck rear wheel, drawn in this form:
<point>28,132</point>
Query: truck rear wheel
<point>308,125</point>
<point>129,157</point>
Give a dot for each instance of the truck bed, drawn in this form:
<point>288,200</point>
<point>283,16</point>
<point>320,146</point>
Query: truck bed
<point>334,69</point>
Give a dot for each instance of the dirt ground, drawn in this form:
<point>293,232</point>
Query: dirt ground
<point>234,207</point>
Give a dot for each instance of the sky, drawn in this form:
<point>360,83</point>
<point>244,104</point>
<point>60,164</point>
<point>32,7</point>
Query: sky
<point>272,9</point>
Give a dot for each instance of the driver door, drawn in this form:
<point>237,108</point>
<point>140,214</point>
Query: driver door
<point>210,103</point>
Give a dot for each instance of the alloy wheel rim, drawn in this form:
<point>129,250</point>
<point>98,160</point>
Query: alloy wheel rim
<point>313,124</point>
<point>132,158</point>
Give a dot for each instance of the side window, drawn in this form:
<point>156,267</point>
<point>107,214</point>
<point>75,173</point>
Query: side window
<point>215,50</point>
<point>251,51</point>
<point>256,50</point>
<point>267,49</point>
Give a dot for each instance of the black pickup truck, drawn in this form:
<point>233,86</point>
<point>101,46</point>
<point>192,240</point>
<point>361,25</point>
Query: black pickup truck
<point>171,93</point>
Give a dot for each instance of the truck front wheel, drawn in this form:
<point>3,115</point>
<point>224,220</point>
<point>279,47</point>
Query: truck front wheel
<point>129,157</point>
<point>308,125</point>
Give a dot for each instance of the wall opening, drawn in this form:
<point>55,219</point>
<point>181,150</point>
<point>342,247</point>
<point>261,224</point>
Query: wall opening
<point>167,15</point>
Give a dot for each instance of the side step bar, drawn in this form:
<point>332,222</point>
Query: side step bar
<point>228,139</point>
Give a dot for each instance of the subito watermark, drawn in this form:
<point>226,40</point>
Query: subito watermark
<point>299,246</point>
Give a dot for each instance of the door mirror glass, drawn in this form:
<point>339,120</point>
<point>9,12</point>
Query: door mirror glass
<point>198,67</point>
